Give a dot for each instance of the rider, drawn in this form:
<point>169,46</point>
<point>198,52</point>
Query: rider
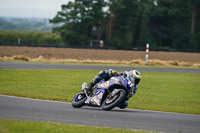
<point>134,76</point>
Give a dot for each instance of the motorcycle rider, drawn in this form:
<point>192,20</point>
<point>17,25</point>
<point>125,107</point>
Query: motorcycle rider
<point>132,76</point>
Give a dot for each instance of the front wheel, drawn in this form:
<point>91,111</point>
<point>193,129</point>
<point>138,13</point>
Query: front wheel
<point>79,100</point>
<point>113,100</point>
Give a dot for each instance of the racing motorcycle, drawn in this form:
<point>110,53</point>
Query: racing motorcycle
<point>106,94</point>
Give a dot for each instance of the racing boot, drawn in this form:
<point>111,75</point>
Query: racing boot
<point>92,84</point>
<point>89,88</point>
<point>97,78</point>
<point>123,105</point>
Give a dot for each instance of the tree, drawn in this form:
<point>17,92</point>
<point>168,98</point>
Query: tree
<point>78,18</point>
<point>129,24</point>
<point>172,24</point>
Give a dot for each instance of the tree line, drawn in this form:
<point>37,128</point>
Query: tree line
<point>130,24</point>
<point>28,38</point>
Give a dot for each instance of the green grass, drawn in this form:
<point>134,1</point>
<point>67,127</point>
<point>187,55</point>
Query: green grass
<point>171,92</point>
<point>11,126</point>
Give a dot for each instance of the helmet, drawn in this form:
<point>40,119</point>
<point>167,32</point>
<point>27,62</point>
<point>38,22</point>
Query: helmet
<point>134,77</point>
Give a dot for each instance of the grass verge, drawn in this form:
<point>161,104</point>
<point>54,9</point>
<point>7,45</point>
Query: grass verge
<point>12,126</point>
<point>133,63</point>
<point>171,92</point>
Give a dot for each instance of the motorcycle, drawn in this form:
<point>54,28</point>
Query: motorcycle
<point>106,94</point>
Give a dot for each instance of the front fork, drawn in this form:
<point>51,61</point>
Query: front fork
<point>84,86</point>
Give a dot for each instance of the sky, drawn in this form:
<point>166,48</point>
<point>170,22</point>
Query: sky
<point>31,8</point>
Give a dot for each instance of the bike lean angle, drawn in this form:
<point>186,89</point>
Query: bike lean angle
<point>106,94</point>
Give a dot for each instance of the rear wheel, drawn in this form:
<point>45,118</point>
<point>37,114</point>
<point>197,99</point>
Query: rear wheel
<point>112,101</point>
<point>79,100</point>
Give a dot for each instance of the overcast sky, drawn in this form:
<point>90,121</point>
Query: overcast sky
<point>31,8</point>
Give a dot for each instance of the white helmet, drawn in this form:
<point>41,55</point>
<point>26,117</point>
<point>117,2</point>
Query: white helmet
<point>134,76</point>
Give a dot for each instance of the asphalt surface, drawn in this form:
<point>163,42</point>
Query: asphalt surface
<point>41,110</point>
<point>24,65</point>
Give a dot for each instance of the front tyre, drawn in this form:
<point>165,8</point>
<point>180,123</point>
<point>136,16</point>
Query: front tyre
<point>79,100</point>
<point>112,101</point>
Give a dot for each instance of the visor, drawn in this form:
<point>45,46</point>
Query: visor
<point>137,81</point>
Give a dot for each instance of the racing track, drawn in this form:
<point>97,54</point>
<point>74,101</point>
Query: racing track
<point>61,112</point>
<point>22,65</point>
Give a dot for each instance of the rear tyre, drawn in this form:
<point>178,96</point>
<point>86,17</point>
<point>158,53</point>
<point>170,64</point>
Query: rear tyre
<point>112,101</point>
<point>79,100</point>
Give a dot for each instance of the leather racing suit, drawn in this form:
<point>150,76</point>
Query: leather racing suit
<point>106,75</point>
